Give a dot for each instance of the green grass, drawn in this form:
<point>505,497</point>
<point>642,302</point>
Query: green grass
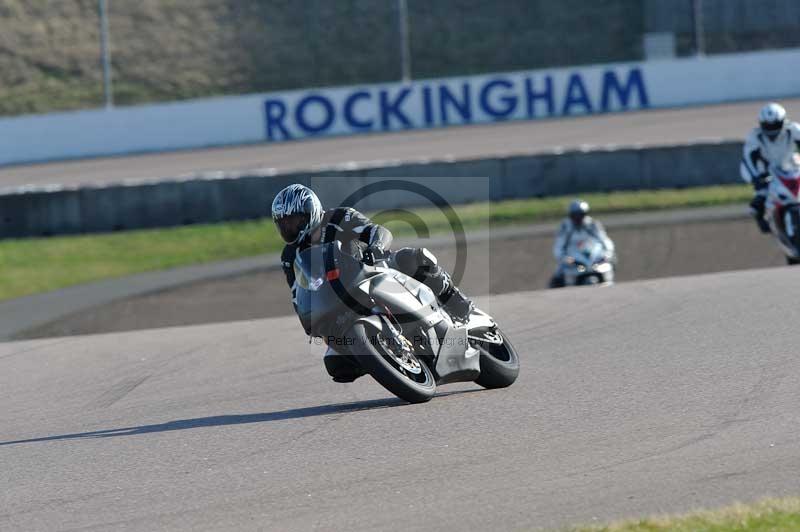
<point>540,209</point>
<point>37,265</point>
<point>774,515</point>
<point>165,50</point>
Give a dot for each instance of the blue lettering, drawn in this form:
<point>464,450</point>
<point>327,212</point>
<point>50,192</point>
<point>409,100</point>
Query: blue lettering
<point>300,114</point>
<point>427,105</point>
<point>349,115</point>
<point>275,114</point>
<point>391,108</point>
<point>463,106</point>
<point>532,96</point>
<point>611,84</point>
<point>509,101</point>
<point>576,95</point>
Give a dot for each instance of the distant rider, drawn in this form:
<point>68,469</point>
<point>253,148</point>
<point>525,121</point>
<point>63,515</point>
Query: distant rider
<point>578,224</point>
<point>772,143</point>
<point>301,222</point>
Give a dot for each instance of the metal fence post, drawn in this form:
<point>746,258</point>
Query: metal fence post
<point>697,25</point>
<point>405,43</point>
<point>105,51</point>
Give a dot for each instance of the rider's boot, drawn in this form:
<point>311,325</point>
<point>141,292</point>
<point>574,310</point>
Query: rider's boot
<point>757,208</point>
<point>341,367</point>
<point>557,281</point>
<point>456,303</point>
<point>437,279</point>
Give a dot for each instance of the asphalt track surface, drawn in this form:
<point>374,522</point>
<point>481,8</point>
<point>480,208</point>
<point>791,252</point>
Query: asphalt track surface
<point>507,263</point>
<point>654,396</point>
<point>659,127</point>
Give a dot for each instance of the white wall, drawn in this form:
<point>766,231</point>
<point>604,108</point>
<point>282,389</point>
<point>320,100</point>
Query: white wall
<point>276,117</point>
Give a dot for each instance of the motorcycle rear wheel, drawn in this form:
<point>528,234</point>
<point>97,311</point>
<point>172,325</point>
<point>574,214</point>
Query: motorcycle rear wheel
<point>403,374</point>
<point>794,215</point>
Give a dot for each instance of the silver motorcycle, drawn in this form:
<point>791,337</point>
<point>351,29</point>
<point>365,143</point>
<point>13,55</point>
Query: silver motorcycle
<point>586,263</point>
<point>392,326</point>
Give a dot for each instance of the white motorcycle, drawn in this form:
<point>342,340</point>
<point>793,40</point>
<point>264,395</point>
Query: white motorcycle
<point>783,209</point>
<point>587,263</point>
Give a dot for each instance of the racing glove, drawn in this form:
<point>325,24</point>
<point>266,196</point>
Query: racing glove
<point>373,254</point>
<point>761,181</point>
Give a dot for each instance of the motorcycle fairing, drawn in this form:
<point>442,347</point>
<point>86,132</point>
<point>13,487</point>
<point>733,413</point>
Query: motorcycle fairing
<point>451,362</point>
<point>782,209</point>
<point>482,327</point>
<point>457,359</point>
<point>792,185</point>
<point>386,299</point>
<point>406,298</point>
<point>587,256</point>
<point>785,222</point>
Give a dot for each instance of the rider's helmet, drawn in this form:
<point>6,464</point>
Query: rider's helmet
<point>296,211</point>
<point>577,211</point>
<point>771,119</point>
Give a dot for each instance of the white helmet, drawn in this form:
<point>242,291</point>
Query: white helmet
<point>296,211</point>
<point>771,119</point>
<point>578,209</point>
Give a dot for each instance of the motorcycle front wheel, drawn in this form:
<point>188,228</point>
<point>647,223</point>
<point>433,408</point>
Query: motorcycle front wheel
<point>499,363</point>
<point>588,280</point>
<point>393,363</point>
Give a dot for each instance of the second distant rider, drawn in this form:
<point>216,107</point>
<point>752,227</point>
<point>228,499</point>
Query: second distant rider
<point>578,224</point>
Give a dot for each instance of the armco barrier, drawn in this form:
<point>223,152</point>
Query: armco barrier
<point>216,198</point>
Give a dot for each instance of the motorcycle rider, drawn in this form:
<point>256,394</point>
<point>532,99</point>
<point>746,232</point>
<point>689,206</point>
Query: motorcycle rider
<point>578,224</point>
<point>302,222</point>
<point>772,143</point>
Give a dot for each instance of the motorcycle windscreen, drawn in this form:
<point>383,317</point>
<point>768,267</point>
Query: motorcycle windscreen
<point>324,276</point>
<point>586,250</point>
<point>309,268</point>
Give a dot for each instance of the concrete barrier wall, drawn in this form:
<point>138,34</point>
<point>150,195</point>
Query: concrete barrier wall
<point>34,211</point>
<point>420,104</point>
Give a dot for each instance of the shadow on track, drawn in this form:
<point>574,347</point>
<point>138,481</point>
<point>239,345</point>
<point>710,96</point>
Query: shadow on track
<point>220,421</point>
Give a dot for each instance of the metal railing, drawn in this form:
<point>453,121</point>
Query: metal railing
<point>265,45</point>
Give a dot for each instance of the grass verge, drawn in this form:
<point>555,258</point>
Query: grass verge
<point>37,265</point>
<point>767,515</point>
